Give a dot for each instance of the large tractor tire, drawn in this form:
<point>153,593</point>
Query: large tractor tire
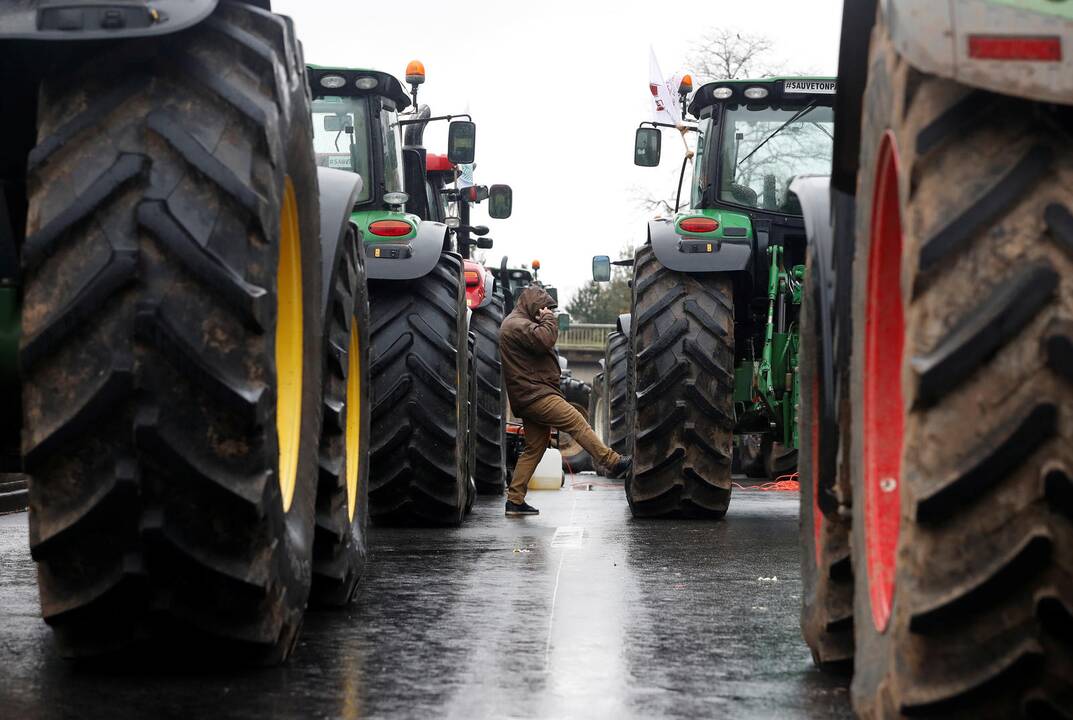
<point>598,406</point>
<point>683,375</point>
<point>490,472</point>
<point>826,570</point>
<point>419,382</point>
<point>340,545</point>
<point>576,459</point>
<point>616,368</point>
<point>171,344</point>
<point>962,459</point>
<point>780,461</point>
<point>753,456</point>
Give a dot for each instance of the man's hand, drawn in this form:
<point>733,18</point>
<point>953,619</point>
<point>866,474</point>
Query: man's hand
<point>545,313</point>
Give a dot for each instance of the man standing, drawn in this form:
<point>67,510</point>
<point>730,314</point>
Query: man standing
<point>531,371</point>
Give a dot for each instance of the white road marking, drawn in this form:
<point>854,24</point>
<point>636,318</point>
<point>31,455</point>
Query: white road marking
<point>555,592</point>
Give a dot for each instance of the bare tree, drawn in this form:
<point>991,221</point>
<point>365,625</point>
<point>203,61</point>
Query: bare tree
<point>722,54</point>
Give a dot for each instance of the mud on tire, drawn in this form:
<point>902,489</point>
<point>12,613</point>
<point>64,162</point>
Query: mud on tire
<point>419,381</point>
<point>167,177</point>
<point>983,584</point>
<point>340,546</point>
<point>683,380</point>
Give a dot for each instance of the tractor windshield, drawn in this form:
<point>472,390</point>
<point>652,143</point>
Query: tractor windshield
<point>764,149</point>
<point>341,137</point>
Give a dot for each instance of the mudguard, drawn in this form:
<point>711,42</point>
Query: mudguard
<point>623,323</point>
<point>339,191</point>
<point>935,36</point>
<point>670,249</point>
<point>424,250</point>
<point>80,20</point>
<point>815,196</point>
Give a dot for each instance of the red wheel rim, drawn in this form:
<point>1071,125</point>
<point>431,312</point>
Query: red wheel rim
<point>884,342</point>
<point>817,515</point>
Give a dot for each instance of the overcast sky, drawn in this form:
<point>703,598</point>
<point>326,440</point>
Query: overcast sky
<point>556,89</point>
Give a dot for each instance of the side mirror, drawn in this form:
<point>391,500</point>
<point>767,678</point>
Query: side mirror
<point>647,144</point>
<point>461,139</point>
<point>333,123</point>
<point>554,292</point>
<point>484,243</point>
<point>564,321</point>
<point>501,201</point>
<point>601,268</point>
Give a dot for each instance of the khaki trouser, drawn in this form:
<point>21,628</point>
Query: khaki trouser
<point>539,418</point>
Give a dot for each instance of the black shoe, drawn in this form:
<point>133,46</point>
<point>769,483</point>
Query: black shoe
<point>517,510</point>
<point>622,468</point>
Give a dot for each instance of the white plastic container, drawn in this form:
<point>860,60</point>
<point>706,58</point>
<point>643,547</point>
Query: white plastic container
<point>549,473</point>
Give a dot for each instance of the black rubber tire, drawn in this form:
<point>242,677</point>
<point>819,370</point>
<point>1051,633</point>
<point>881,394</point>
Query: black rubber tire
<point>14,493</point>
<point>420,425</point>
<point>598,406</point>
<point>826,570</point>
<point>683,372</point>
<point>576,459</point>
<point>156,512</point>
<point>340,545</point>
<point>616,362</point>
<point>490,473</point>
<point>471,422</point>
<point>779,460</point>
<point>983,590</point>
<point>753,456</point>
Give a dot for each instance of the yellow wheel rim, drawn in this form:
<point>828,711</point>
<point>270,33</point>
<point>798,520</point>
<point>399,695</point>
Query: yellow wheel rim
<point>289,345</point>
<point>353,419</point>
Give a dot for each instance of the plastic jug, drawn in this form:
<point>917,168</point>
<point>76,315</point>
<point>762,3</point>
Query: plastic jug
<point>549,473</point>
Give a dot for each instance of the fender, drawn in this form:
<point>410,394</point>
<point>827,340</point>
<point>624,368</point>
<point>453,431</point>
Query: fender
<point>80,20</point>
<point>934,36</point>
<point>814,194</point>
<point>424,250</point>
<point>624,321</point>
<point>339,191</point>
<point>727,255</point>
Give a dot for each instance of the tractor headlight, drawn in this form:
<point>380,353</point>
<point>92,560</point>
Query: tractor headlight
<point>756,93</point>
<point>722,93</point>
<point>366,83</point>
<point>332,82</point>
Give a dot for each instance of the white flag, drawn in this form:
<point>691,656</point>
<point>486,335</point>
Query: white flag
<point>465,175</point>
<point>664,93</point>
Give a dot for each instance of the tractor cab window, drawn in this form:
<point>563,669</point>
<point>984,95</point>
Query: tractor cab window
<point>764,149</point>
<point>392,152</point>
<point>341,137</point>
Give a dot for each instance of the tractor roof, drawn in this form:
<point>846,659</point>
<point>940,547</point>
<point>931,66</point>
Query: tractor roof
<point>386,85</point>
<point>781,91</point>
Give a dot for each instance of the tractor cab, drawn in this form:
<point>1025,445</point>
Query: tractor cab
<point>753,137</point>
<point>358,125</point>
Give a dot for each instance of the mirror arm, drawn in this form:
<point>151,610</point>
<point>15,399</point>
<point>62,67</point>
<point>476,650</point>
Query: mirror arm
<point>653,123</point>
<point>628,262</point>
<point>413,121</point>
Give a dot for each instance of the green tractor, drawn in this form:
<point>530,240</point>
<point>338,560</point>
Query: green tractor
<point>713,333</point>
<point>172,261</point>
<point>422,381</point>
<point>937,363</point>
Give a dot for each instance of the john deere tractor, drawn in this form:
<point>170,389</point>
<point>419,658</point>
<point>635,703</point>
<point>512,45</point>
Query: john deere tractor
<point>422,454</point>
<point>937,363</point>
<point>175,260</point>
<point>713,332</point>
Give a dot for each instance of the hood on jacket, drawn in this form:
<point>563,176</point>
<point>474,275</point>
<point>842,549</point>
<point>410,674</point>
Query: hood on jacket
<point>533,299</point>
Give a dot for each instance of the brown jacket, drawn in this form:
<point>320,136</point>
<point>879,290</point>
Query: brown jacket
<point>527,350</point>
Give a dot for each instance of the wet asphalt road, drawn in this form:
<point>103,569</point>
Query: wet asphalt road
<point>581,612</point>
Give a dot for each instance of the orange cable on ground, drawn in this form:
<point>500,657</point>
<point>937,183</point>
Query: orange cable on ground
<point>783,483</point>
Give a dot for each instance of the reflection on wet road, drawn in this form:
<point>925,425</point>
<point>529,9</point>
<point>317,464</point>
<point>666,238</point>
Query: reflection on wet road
<point>581,612</point>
